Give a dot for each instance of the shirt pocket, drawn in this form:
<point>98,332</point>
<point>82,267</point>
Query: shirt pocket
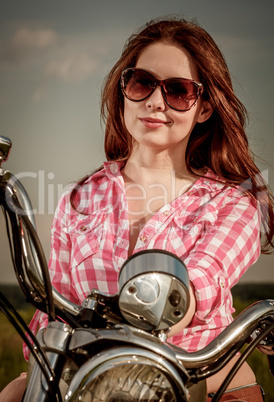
<point>85,235</point>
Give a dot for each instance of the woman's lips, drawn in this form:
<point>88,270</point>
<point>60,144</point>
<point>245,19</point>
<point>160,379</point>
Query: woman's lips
<point>152,123</point>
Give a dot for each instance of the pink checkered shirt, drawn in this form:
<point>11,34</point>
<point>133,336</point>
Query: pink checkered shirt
<point>214,229</point>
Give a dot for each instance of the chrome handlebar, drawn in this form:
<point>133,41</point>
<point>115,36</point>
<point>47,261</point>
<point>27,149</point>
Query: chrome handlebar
<point>239,330</point>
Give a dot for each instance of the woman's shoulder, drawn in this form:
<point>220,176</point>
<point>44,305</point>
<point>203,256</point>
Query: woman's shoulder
<point>91,187</point>
<point>107,172</point>
<point>214,187</point>
<point>211,184</point>
<point>94,178</point>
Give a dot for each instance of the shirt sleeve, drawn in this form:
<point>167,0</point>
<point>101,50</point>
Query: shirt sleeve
<point>60,254</point>
<point>226,248</point>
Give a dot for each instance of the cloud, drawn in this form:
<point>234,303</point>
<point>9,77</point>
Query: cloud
<point>73,68</point>
<point>25,41</point>
<point>76,57</point>
<point>38,38</point>
<point>39,94</point>
<point>37,59</point>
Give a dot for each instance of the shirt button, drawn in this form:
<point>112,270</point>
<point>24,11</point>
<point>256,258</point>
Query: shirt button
<point>143,238</point>
<point>222,284</point>
<point>166,213</point>
<point>83,228</point>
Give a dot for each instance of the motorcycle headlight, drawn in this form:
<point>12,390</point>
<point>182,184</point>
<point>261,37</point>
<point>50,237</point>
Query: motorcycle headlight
<point>127,374</point>
<point>153,290</point>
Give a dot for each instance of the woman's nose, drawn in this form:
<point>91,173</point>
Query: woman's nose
<point>156,100</point>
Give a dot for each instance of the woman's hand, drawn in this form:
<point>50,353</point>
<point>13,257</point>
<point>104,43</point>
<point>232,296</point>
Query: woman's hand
<point>14,391</point>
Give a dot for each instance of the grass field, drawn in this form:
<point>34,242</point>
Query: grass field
<point>11,355</point>
<point>13,363</point>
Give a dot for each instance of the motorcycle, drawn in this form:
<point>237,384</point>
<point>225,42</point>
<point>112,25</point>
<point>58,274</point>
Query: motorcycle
<point>113,347</point>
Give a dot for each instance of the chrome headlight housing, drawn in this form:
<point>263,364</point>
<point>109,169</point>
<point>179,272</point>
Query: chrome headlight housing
<point>153,290</point>
<point>127,374</point>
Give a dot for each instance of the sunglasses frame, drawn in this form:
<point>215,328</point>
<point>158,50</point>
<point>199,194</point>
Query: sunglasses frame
<point>161,84</point>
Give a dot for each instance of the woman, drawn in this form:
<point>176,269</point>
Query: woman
<point>180,177</point>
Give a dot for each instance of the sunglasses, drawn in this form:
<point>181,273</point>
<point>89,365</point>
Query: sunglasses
<point>179,93</point>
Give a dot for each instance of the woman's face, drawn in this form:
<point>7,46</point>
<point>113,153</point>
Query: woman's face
<point>151,122</point>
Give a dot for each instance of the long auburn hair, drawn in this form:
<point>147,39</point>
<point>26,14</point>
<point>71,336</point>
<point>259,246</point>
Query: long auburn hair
<point>219,144</point>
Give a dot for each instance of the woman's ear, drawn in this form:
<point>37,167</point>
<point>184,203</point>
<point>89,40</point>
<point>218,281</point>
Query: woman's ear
<point>205,112</point>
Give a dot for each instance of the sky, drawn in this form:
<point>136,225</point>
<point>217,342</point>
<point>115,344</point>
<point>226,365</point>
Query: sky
<point>54,56</point>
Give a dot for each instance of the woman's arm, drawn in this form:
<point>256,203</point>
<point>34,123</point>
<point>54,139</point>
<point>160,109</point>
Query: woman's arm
<point>225,249</point>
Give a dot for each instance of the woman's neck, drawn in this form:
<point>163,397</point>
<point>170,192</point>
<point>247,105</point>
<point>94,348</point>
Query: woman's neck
<point>149,166</point>
<point>156,177</point>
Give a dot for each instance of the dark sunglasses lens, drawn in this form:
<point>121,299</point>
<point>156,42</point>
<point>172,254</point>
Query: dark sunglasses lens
<point>137,85</point>
<point>181,95</point>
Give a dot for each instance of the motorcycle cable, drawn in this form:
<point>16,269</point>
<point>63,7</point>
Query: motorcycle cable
<point>197,376</point>
<point>19,324</point>
<point>240,361</point>
<point>12,205</point>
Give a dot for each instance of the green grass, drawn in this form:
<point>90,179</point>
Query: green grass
<point>11,355</point>
<point>13,363</point>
